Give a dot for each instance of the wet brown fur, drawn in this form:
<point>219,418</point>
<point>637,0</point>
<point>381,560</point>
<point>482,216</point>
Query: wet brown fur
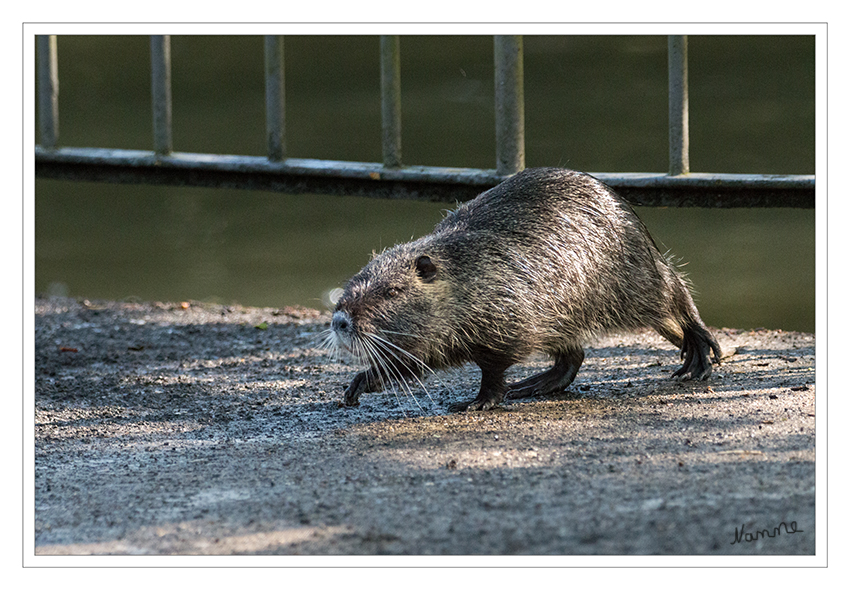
<point>540,263</point>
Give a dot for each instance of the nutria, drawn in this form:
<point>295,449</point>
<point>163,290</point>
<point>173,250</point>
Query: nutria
<point>540,263</point>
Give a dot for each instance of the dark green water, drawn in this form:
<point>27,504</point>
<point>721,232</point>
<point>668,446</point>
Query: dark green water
<point>592,103</point>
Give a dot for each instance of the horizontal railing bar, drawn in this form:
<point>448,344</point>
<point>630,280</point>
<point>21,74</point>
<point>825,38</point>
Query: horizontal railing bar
<point>296,175</point>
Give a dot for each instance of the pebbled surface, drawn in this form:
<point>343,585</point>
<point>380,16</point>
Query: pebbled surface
<point>187,429</point>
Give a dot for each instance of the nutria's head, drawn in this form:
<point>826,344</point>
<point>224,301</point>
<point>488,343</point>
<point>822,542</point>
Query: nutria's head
<point>384,313</point>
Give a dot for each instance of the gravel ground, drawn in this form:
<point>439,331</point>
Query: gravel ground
<point>202,429</point>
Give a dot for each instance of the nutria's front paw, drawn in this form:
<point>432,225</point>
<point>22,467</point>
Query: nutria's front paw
<point>485,404</point>
<point>459,407</point>
<point>350,400</point>
<point>358,385</point>
<point>474,405</point>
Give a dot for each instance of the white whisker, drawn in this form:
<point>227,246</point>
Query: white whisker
<point>381,344</point>
<point>412,357</point>
<point>390,347</point>
<point>384,369</point>
<point>388,362</point>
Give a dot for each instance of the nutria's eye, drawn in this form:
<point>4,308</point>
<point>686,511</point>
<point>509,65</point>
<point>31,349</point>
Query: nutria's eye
<point>393,292</point>
<point>426,269</point>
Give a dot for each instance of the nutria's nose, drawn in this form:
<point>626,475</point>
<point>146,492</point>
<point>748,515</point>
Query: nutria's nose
<point>340,321</point>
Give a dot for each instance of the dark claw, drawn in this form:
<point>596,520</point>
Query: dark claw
<point>360,384</point>
<point>351,398</point>
<point>695,352</point>
<point>459,406</point>
<point>482,405</point>
<point>483,402</point>
<point>473,406</point>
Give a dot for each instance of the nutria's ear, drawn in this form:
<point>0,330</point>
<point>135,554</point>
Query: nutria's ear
<point>426,269</point>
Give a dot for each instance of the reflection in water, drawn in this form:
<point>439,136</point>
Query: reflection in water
<point>592,103</point>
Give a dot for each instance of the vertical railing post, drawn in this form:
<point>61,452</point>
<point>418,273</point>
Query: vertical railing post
<point>391,100</point>
<point>275,97</point>
<point>510,104</point>
<point>48,90</point>
<point>161,93</point>
<point>677,65</point>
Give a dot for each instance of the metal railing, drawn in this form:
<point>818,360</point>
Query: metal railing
<point>389,178</point>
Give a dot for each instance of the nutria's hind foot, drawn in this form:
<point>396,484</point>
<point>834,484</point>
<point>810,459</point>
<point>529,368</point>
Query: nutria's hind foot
<point>697,346</point>
<point>552,381</point>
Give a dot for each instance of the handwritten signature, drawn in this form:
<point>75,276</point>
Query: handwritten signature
<point>741,536</point>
